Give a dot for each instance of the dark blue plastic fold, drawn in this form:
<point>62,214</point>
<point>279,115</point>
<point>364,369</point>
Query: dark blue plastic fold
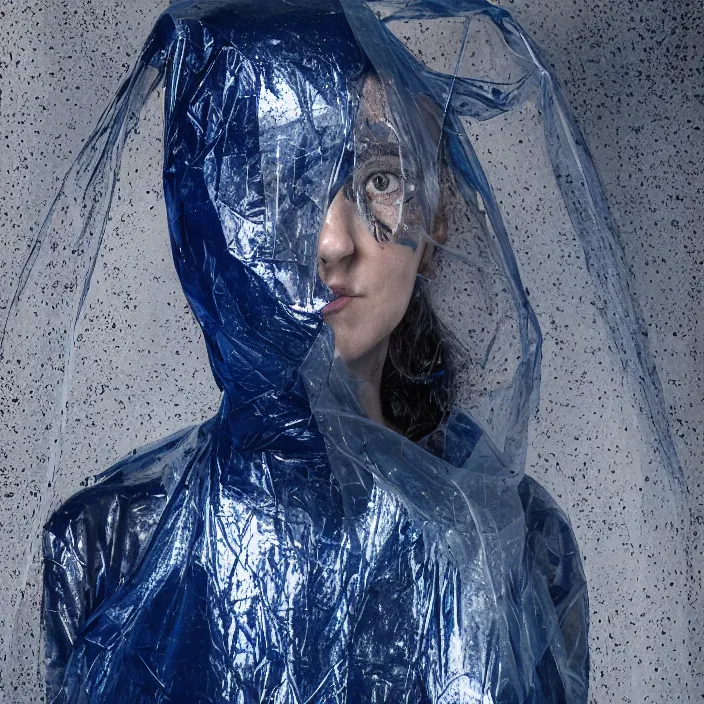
<point>292,550</point>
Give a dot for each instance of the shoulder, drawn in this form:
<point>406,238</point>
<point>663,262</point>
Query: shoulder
<point>149,471</point>
<point>100,532</point>
<point>551,542</point>
<point>93,542</point>
<point>542,513</point>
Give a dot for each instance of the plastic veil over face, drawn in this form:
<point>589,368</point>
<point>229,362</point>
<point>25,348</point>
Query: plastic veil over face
<point>297,547</point>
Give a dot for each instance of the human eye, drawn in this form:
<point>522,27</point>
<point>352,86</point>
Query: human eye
<point>383,191</point>
<point>383,186</point>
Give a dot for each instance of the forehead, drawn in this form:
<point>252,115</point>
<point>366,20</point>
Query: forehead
<point>374,104</point>
<point>373,125</point>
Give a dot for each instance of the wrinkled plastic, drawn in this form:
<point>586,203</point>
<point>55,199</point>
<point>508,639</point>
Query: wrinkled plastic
<point>291,549</point>
<point>245,561</point>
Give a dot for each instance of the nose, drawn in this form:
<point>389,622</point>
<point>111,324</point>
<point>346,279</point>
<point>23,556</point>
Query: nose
<point>336,241</point>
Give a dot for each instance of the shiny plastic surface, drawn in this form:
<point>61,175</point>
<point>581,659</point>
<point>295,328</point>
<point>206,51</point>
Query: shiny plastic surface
<point>291,549</point>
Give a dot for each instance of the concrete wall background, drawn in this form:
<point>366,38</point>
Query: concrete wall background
<point>633,75</point>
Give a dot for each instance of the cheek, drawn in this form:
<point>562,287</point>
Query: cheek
<point>395,286</point>
<point>389,286</point>
<point>387,281</point>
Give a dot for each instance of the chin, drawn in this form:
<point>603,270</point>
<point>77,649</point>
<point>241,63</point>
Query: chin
<point>348,351</point>
<point>349,357</point>
<point>358,357</point>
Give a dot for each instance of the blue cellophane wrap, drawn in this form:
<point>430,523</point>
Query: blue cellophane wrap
<point>290,549</point>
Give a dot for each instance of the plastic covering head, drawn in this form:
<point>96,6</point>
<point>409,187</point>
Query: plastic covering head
<point>354,524</point>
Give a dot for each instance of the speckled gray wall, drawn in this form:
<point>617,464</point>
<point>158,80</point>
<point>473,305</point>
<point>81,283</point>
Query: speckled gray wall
<point>60,65</point>
<point>633,74</point>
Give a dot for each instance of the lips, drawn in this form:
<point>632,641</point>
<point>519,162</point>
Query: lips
<point>337,305</point>
<point>343,295</point>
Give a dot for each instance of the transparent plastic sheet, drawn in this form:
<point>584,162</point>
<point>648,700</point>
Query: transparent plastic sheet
<point>267,555</point>
<point>38,363</point>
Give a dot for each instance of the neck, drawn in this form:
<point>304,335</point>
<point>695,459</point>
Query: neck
<point>368,370</point>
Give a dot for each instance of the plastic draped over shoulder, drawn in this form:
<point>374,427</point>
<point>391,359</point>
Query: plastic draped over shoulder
<point>292,548</point>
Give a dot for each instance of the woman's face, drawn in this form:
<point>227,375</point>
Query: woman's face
<point>371,245</point>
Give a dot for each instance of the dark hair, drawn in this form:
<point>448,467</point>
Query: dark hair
<point>415,379</point>
<point>415,382</point>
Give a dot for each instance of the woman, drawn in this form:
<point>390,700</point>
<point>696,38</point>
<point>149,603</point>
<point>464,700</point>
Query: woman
<point>373,277</point>
<point>300,546</point>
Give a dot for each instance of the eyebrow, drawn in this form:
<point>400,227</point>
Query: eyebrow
<point>370,150</point>
<point>381,142</point>
<point>379,139</point>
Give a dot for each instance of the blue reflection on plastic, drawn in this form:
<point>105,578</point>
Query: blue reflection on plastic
<point>224,564</point>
